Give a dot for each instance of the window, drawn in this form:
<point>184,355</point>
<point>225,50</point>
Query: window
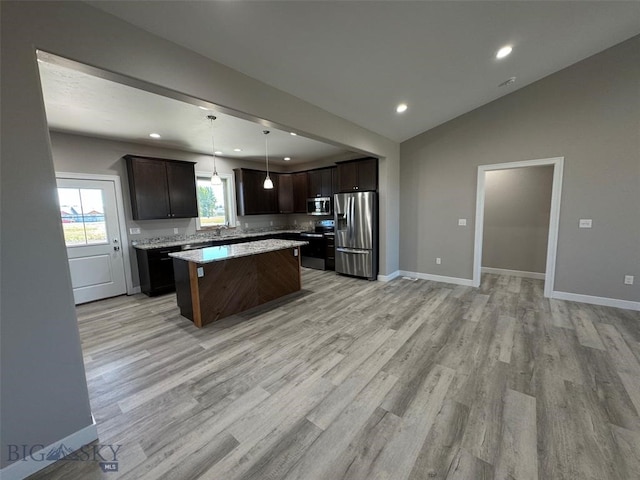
<point>215,202</point>
<point>82,214</point>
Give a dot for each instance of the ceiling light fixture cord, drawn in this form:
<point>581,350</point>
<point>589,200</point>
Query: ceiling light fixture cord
<point>268,183</point>
<point>215,178</point>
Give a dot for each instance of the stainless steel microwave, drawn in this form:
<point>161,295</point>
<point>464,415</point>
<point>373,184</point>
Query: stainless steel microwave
<point>319,206</point>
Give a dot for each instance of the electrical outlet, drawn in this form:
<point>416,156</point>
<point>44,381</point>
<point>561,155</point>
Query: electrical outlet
<point>585,223</point>
<point>438,260</point>
<point>462,222</point>
<point>628,279</point>
<point>134,231</point>
<point>246,225</point>
<point>271,224</point>
<point>176,231</point>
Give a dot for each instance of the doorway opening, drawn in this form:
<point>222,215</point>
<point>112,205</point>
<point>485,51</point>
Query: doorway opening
<point>554,216</point>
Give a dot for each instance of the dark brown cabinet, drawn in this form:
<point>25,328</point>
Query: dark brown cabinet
<point>155,268</point>
<point>320,182</point>
<point>299,192</point>
<point>285,193</point>
<point>251,196</point>
<point>358,175</point>
<point>161,188</point>
<point>330,253</point>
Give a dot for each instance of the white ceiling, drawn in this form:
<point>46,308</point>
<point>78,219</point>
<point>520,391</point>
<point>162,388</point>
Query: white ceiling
<point>80,103</point>
<point>358,59</point>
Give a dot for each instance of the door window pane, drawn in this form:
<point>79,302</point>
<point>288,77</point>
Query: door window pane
<point>82,214</point>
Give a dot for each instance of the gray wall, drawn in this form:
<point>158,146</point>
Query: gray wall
<point>44,394</point>
<point>588,113</point>
<point>517,203</point>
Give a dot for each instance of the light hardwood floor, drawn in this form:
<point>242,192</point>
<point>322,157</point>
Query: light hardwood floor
<point>351,379</point>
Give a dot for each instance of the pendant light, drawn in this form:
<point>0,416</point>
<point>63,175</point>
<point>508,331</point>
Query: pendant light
<point>268,184</point>
<point>215,178</point>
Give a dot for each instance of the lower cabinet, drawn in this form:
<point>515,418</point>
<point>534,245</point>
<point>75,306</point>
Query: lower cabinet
<point>155,267</point>
<point>330,256</point>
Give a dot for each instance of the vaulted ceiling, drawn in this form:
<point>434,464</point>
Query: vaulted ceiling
<point>359,59</point>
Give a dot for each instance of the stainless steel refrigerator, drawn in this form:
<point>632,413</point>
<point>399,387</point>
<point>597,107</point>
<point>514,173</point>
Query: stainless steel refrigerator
<point>356,227</point>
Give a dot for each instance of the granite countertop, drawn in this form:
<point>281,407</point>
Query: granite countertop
<point>225,252</point>
<point>213,238</point>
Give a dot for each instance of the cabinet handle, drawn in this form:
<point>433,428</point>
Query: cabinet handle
<point>165,259</point>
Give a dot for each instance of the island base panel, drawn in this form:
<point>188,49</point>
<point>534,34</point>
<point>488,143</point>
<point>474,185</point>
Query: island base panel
<point>235,285</point>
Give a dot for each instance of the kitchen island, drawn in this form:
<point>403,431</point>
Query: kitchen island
<point>215,282</point>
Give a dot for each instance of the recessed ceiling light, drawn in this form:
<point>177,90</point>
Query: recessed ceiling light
<point>203,108</point>
<point>286,159</point>
<point>237,149</point>
<point>508,82</point>
<point>293,133</point>
<point>218,152</point>
<point>504,51</point>
<point>401,108</point>
<point>154,135</point>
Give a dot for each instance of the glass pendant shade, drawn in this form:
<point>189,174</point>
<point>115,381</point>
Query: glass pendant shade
<point>215,179</point>
<point>268,184</point>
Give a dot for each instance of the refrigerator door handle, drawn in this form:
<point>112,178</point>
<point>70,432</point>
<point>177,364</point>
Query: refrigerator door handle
<point>351,250</point>
<point>347,212</point>
<point>351,217</point>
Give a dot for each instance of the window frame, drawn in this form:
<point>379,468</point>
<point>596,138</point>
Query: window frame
<point>230,200</point>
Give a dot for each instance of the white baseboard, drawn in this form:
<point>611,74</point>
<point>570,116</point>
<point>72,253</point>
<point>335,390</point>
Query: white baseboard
<point>604,301</point>
<point>388,278</point>
<point>438,278</point>
<point>134,290</point>
<point>513,273</point>
<point>21,469</point>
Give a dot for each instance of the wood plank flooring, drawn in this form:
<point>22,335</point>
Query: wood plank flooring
<point>350,379</point>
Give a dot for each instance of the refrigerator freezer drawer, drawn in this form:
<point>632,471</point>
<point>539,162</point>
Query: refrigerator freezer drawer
<point>351,261</point>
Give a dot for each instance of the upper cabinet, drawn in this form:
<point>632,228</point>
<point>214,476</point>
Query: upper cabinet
<point>285,193</point>
<point>161,188</point>
<point>320,182</point>
<point>251,196</point>
<point>300,194</point>
<point>358,175</point>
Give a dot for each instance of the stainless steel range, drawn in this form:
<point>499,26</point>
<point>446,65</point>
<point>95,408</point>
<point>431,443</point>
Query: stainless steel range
<point>314,255</point>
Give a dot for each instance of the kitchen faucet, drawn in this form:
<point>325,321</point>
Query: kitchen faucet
<point>220,228</point>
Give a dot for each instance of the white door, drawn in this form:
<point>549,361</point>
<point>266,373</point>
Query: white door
<point>92,236</point>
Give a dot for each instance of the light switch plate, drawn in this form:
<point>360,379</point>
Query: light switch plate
<point>200,272</point>
<point>628,279</point>
<point>462,222</point>
<point>295,252</point>
<point>134,231</point>
<point>438,261</point>
<point>585,223</point>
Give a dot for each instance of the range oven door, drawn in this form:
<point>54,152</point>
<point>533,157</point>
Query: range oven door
<point>314,254</point>
<point>319,206</point>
